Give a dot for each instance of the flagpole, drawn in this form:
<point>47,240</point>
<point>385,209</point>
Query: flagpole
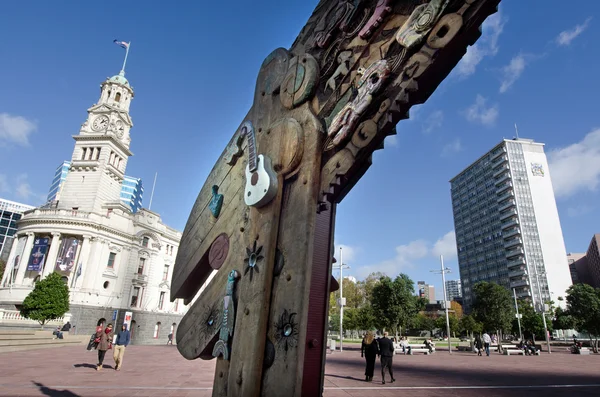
<point>126,53</point>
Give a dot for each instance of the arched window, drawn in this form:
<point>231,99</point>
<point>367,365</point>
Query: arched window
<point>65,280</point>
<point>156,330</point>
<point>118,97</point>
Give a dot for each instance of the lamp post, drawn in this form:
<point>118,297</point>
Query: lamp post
<point>543,308</point>
<point>341,302</point>
<point>518,315</point>
<point>443,271</point>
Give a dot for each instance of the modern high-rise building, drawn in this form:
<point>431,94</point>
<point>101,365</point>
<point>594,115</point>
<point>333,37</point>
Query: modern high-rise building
<point>507,225</point>
<point>426,291</point>
<point>585,268</point>
<point>453,290</point>
<point>59,177</point>
<point>10,213</point>
<point>132,190</point>
<point>576,261</point>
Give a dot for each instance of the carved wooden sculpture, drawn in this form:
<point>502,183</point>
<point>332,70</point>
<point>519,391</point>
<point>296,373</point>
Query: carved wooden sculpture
<point>267,210</point>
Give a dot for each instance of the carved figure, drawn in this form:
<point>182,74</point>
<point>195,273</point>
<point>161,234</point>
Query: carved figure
<point>381,11</point>
<point>216,202</point>
<point>338,16</point>
<point>222,346</point>
<point>261,181</point>
<point>420,23</point>
<point>370,83</point>
<point>342,70</point>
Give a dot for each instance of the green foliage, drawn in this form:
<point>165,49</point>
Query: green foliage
<point>583,305</point>
<point>49,300</point>
<point>562,319</point>
<point>493,306</point>
<point>469,325</point>
<point>394,304</point>
<point>440,323</point>
<point>365,318</point>
<point>532,323</point>
<point>424,322</point>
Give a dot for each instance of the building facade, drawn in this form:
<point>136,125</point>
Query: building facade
<point>453,290</point>
<point>585,268</point>
<point>576,260</point>
<point>426,291</point>
<point>132,190</point>
<point>507,225</point>
<point>113,260</point>
<point>10,213</point>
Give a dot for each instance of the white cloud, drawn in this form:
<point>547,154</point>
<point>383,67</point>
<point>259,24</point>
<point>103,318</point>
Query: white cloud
<point>567,36</point>
<point>479,113</point>
<point>434,121</point>
<point>576,167</point>
<point>579,210</point>
<point>15,129</point>
<point>446,246</point>
<point>391,140</point>
<point>452,147</point>
<point>23,189</point>
<point>348,252</point>
<point>486,46</point>
<point>512,72</point>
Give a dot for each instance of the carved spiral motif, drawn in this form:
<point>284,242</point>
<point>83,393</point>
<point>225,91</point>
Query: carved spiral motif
<point>218,251</point>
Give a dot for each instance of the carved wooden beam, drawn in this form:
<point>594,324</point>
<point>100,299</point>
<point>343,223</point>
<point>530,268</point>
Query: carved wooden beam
<point>267,210</point>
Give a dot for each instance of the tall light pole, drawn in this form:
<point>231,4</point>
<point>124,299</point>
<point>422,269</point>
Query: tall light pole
<point>543,308</point>
<point>443,271</point>
<point>341,302</point>
<point>518,315</point>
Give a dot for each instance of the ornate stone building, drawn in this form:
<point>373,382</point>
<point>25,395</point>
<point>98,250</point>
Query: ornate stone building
<point>112,259</point>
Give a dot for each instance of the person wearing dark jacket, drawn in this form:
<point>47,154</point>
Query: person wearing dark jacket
<point>478,344</point>
<point>386,351</point>
<point>123,339</point>
<point>369,351</point>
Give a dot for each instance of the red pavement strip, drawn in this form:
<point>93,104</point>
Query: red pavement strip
<point>161,371</point>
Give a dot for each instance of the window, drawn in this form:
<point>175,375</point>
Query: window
<point>135,296</point>
<point>106,284</point>
<point>118,97</point>
<point>176,304</point>
<point>166,273</point>
<point>161,300</point>
<point>156,330</point>
<point>145,241</point>
<point>141,264</point>
<point>111,260</point>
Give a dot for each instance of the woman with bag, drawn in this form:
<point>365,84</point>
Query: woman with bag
<point>94,339</point>
<point>369,351</point>
<point>104,338</point>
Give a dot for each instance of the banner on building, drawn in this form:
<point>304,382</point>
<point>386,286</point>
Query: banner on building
<point>65,261</point>
<point>12,264</point>
<point>127,320</point>
<point>38,254</point>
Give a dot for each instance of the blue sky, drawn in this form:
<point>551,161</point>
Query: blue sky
<point>194,67</point>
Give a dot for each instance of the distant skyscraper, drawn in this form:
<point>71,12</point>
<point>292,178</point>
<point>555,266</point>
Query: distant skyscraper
<point>507,225</point>
<point>59,177</point>
<point>453,290</point>
<point>426,291</point>
<point>10,213</point>
<point>132,191</point>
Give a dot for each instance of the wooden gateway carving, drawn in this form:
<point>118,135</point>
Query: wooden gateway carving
<point>265,216</point>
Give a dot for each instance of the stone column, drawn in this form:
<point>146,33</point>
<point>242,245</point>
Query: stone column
<point>52,254</point>
<point>94,265</point>
<point>8,270</point>
<point>83,260</point>
<point>25,260</point>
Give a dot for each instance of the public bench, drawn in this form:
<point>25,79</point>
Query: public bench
<point>414,348</point>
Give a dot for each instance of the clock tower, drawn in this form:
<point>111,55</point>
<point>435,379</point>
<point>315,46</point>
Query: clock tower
<point>101,151</point>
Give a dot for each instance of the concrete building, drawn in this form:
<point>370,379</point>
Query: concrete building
<point>132,191</point>
<point>426,291</point>
<point>453,290</point>
<point>507,225</point>
<point>585,268</point>
<point>576,260</point>
<point>113,260</point>
<point>10,213</point>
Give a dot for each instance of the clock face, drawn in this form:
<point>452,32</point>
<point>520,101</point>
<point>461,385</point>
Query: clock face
<point>120,128</point>
<point>100,123</point>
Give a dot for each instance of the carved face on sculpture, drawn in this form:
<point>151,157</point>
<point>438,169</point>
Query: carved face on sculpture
<point>374,77</point>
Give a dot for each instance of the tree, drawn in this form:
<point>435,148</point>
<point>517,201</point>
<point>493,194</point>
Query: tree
<point>393,302</point>
<point>365,318</point>
<point>583,304</point>
<point>440,323</point>
<point>424,322</point>
<point>458,310</point>
<point>493,306</point>
<point>532,323</point>
<point>49,300</point>
<point>562,319</point>
<point>469,325</point>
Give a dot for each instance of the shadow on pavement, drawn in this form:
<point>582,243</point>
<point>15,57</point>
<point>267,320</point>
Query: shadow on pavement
<point>84,366</point>
<point>53,392</point>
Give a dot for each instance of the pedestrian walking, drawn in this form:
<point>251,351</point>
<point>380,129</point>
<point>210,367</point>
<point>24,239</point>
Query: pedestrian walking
<point>486,343</point>
<point>170,339</point>
<point>368,350</point>
<point>104,339</point>
<point>123,338</point>
<point>478,345</point>
<point>386,351</point>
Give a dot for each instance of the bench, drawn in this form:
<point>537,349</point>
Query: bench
<point>420,348</point>
<point>583,350</point>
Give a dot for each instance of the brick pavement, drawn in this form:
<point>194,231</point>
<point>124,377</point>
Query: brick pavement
<point>161,371</point>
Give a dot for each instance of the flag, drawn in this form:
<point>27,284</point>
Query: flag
<point>121,43</point>
<point>79,270</point>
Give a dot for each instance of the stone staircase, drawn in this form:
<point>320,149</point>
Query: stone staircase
<point>19,340</point>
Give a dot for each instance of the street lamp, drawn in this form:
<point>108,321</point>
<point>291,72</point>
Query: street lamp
<point>341,266</point>
<point>518,315</point>
<point>443,271</point>
<point>543,307</point>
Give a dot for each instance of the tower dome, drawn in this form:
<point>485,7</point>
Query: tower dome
<point>119,79</point>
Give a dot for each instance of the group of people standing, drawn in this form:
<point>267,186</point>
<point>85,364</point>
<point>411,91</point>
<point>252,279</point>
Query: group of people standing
<point>102,341</point>
<point>371,348</point>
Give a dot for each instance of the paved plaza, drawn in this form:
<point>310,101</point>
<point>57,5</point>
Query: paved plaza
<point>161,371</point>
